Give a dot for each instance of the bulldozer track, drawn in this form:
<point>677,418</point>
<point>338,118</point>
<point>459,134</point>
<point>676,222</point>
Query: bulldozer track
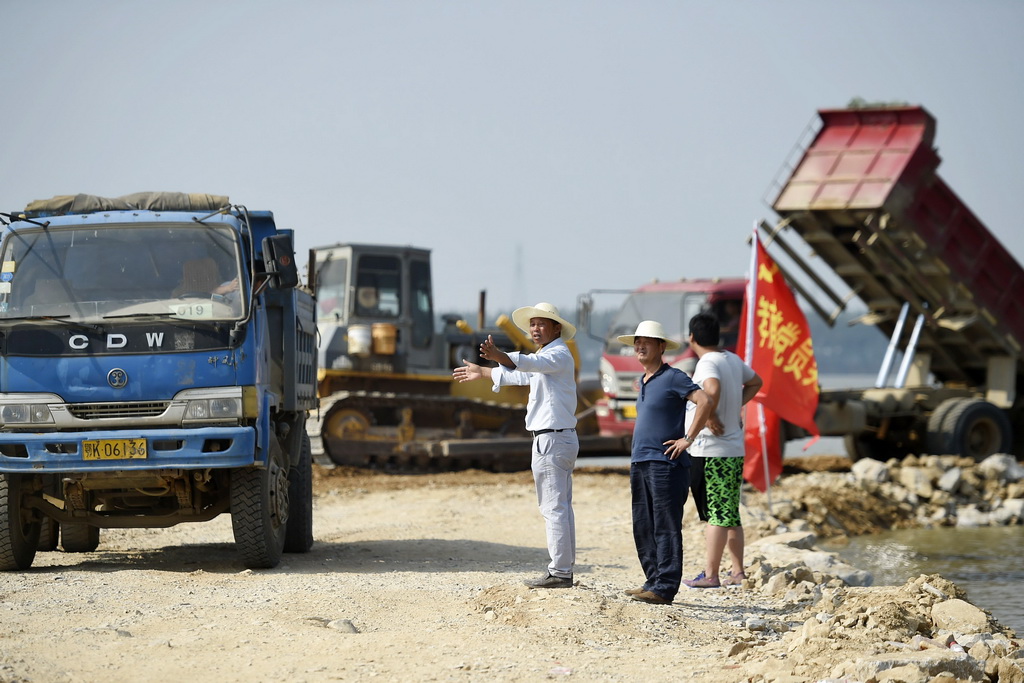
<point>452,444</point>
<point>444,448</point>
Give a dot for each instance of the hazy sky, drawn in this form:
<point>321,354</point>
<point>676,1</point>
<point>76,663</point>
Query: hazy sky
<point>540,149</point>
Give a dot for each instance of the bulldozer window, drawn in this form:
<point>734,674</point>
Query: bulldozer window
<point>379,287</point>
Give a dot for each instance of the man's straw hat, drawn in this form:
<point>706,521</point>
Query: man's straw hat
<point>653,329</point>
<point>521,317</point>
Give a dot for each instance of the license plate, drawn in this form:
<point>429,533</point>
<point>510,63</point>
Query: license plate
<point>629,410</point>
<point>114,449</point>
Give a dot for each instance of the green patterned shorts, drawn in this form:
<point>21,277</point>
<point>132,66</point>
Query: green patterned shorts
<point>716,484</point>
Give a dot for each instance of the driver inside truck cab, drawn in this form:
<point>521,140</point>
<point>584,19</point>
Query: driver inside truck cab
<point>201,276</point>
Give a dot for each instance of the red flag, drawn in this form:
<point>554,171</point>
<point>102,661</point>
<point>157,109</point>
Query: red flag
<point>761,436</point>
<point>777,345</point>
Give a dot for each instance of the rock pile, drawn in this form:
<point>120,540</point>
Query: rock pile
<point>924,631</point>
<point>920,632</point>
<point>919,491</point>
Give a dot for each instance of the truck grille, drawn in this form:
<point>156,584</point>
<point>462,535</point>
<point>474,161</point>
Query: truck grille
<point>98,411</point>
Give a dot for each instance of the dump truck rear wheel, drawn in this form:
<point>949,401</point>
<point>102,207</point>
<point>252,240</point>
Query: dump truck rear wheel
<point>19,533</point>
<point>299,534</point>
<point>976,429</point>
<point>259,510</point>
<point>79,538</point>
<point>860,446</point>
<point>936,439</point>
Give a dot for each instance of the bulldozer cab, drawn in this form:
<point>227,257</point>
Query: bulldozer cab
<point>376,307</point>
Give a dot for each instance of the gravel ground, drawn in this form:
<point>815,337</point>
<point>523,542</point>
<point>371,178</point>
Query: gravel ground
<point>412,578</point>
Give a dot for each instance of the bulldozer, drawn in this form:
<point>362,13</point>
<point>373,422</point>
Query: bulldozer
<point>387,398</point>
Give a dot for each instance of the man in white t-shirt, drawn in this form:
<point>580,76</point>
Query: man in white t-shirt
<point>717,455</point>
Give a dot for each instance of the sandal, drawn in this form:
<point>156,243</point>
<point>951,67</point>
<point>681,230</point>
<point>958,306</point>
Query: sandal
<point>702,581</point>
<point>734,580</point>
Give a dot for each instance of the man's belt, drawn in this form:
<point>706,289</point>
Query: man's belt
<point>548,431</point>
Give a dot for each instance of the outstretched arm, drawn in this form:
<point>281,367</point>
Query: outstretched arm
<point>470,371</point>
<point>490,351</point>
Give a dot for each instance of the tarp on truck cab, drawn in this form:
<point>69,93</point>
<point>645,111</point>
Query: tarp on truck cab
<point>151,201</point>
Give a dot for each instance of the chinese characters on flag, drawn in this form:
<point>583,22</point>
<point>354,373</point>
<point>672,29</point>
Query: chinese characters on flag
<point>775,341</point>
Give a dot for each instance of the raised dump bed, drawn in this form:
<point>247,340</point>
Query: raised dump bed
<point>866,198</point>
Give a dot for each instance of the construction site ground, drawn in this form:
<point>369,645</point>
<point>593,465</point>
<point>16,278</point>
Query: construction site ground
<point>412,578</point>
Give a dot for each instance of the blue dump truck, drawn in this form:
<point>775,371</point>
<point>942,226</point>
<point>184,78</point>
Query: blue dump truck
<point>157,363</point>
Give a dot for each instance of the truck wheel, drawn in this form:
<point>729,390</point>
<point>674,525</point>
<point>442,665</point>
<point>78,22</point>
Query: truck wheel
<point>79,538</point>
<point>259,510</point>
<point>976,429</point>
<point>49,529</point>
<point>862,446</point>
<point>936,439</point>
<point>19,534</point>
<point>298,537</point>
<point>49,534</point>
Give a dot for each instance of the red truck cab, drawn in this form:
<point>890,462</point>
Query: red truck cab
<point>672,304</point>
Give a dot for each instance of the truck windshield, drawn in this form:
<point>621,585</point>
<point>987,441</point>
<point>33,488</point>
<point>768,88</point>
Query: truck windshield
<point>672,309</point>
<point>91,273</point>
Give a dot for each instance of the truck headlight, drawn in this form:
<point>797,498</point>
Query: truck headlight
<point>608,383</point>
<point>215,404</point>
<point>25,413</point>
<point>213,409</point>
<point>17,410</point>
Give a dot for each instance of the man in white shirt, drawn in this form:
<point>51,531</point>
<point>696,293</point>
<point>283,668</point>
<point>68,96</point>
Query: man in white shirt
<point>550,417</point>
<point>717,455</point>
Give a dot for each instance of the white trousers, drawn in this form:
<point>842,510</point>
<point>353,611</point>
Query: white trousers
<point>554,457</point>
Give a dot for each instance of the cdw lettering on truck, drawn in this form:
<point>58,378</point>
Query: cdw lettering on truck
<point>157,362</point>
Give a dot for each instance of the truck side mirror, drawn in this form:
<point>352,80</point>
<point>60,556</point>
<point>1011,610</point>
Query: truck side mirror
<point>279,261</point>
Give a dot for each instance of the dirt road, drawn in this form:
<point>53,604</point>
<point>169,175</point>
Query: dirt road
<point>410,579</point>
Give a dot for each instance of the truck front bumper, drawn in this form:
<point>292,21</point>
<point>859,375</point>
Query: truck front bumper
<point>200,448</point>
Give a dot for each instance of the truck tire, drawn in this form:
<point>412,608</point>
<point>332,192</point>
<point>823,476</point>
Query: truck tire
<point>298,537</point>
<point>79,538</point>
<point>860,446</point>
<point>19,534</point>
<point>49,535</point>
<point>49,528</point>
<point>259,510</point>
<point>936,439</point>
<point>976,429</point>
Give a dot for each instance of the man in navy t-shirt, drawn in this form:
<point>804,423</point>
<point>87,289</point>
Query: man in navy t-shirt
<point>659,470</point>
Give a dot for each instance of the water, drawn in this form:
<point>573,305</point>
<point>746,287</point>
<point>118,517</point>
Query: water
<point>985,561</point>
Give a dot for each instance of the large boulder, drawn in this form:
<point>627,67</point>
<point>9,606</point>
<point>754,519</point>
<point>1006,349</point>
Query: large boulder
<point>921,665</point>
<point>959,616</point>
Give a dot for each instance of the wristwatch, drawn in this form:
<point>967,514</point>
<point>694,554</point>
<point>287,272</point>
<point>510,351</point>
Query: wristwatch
<point>687,438</point>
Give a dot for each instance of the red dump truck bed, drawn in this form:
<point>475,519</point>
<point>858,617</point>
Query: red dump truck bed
<point>866,198</point>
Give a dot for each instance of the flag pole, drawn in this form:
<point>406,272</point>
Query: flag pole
<point>749,354</point>
<point>764,454</point>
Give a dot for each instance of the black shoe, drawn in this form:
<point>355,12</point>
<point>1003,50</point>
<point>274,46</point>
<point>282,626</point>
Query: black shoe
<point>549,581</point>
<point>652,598</point>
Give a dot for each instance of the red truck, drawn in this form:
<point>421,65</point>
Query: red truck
<point>672,304</point>
<point>865,197</point>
